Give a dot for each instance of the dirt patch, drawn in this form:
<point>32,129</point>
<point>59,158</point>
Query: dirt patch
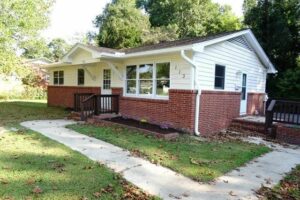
<point>142,125</point>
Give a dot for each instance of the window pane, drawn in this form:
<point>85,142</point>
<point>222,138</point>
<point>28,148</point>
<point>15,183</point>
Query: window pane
<point>163,70</point>
<point>146,71</point>
<point>61,74</point>
<point>106,84</point>
<point>55,81</point>
<point>131,72</point>
<point>131,87</point>
<point>106,74</point>
<point>61,81</point>
<point>220,71</point>
<point>145,87</point>
<point>162,87</point>
<point>55,74</point>
<point>80,77</point>
<point>244,79</point>
<point>219,83</point>
<point>243,93</point>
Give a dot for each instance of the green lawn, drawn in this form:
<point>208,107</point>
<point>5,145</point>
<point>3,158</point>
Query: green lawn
<point>35,167</point>
<point>288,188</point>
<point>201,161</point>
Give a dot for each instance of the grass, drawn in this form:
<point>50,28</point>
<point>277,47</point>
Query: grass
<point>201,161</point>
<point>35,167</point>
<point>288,188</point>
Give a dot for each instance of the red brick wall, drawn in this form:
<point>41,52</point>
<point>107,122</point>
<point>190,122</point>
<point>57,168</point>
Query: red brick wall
<point>217,109</point>
<point>64,95</point>
<point>255,102</point>
<point>288,133</point>
<point>177,112</point>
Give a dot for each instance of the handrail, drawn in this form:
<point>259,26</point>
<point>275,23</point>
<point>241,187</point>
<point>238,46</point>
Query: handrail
<point>99,104</point>
<point>283,111</point>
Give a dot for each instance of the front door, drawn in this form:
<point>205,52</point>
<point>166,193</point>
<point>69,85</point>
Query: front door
<point>106,82</point>
<point>243,108</point>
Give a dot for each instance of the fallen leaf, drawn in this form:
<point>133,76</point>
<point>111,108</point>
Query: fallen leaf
<point>97,194</point>
<point>37,190</point>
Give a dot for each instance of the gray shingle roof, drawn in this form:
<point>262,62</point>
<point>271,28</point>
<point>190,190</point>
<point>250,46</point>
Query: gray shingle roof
<point>162,45</point>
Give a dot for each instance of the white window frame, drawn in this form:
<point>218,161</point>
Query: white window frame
<point>154,81</point>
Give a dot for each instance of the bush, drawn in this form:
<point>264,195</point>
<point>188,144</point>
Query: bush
<point>34,93</point>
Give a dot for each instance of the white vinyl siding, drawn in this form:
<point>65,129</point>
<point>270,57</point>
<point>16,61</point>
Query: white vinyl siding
<point>236,59</point>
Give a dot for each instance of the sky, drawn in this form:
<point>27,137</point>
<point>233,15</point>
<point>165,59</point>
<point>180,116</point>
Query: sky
<point>75,17</point>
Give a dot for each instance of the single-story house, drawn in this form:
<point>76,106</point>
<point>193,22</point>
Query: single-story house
<point>197,85</point>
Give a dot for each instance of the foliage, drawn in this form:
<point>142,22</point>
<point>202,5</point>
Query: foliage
<point>276,25</point>
<point>289,83</point>
<point>193,17</point>
<point>20,20</point>
<point>201,161</point>
<point>35,48</point>
<point>160,34</point>
<point>121,25</point>
<point>58,47</point>
<point>35,167</point>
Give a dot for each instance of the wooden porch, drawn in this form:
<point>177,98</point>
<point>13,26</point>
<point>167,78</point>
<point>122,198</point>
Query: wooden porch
<point>88,104</point>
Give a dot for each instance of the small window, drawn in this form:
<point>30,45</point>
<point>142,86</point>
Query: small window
<point>80,76</point>
<point>219,77</point>
<point>244,84</point>
<point>106,79</point>
<point>131,79</point>
<point>58,77</point>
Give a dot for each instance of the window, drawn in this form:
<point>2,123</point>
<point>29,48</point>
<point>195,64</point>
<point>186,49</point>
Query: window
<point>80,76</point>
<point>106,79</point>
<point>244,84</point>
<point>148,79</point>
<point>131,79</point>
<point>58,77</point>
<point>219,77</point>
<point>162,79</point>
<point>145,79</point>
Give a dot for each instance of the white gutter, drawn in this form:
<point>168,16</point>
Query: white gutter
<point>196,86</point>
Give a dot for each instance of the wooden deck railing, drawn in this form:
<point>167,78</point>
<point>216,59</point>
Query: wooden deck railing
<point>78,98</point>
<point>98,104</point>
<point>283,111</point>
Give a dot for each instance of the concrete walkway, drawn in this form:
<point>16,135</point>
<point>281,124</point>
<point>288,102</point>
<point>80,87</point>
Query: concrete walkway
<point>163,182</point>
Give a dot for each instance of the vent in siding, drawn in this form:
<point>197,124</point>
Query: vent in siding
<point>240,41</point>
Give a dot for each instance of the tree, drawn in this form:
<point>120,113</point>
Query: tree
<point>36,48</point>
<point>20,20</point>
<point>121,25</point>
<point>58,47</point>
<point>193,17</point>
<point>160,34</point>
<point>276,25</point>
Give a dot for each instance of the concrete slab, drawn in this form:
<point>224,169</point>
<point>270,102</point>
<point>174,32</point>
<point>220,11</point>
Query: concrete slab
<point>163,182</point>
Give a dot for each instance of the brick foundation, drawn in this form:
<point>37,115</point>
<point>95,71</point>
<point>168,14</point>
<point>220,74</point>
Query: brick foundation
<point>217,110</point>
<point>177,112</point>
<point>255,103</point>
<point>288,133</point>
<point>64,95</point>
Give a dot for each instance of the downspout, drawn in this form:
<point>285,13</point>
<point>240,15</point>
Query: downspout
<point>196,86</point>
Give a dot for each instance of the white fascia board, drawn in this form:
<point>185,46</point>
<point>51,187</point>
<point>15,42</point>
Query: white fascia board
<point>147,53</point>
<point>57,64</point>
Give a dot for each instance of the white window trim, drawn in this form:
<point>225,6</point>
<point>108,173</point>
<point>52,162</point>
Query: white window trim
<point>154,79</point>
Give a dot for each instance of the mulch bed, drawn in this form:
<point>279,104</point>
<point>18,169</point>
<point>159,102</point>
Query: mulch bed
<point>142,125</point>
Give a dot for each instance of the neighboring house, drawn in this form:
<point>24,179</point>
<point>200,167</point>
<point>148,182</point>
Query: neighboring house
<point>196,85</point>
<point>37,65</point>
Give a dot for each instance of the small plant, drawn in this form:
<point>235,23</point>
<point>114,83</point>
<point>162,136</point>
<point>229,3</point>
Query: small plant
<point>143,121</point>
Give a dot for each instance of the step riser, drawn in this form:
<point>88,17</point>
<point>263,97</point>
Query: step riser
<point>238,125</point>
